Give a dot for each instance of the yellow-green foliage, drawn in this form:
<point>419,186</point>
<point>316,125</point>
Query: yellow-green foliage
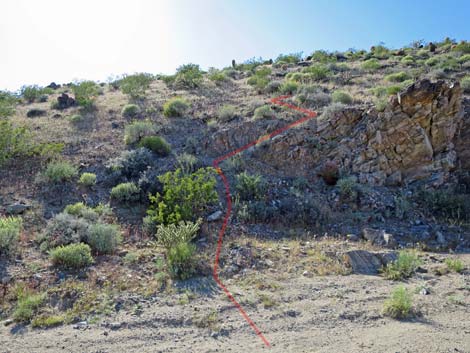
<point>371,65</point>
<point>156,144</point>
<point>125,192</point>
<point>27,305</point>
<point>73,256</point>
<point>104,238</point>
<point>138,129</point>
<point>260,78</point>
<point>404,267</point>
<point>130,110</point>
<point>10,228</point>
<point>87,179</point>
<point>175,107</point>
<point>57,172</point>
<point>400,303</point>
<point>455,265</point>
<point>85,93</point>
<point>341,97</point>
<point>397,77</point>
<point>136,85</point>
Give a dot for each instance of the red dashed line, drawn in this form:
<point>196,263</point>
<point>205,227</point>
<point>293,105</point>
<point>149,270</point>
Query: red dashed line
<point>279,101</point>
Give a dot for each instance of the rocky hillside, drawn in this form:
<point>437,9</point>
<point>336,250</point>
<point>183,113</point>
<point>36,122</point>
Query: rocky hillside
<point>109,202</point>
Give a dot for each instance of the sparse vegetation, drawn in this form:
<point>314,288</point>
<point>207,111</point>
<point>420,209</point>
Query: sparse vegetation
<point>60,171</point>
<point>455,265</point>
<point>72,256</point>
<point>135,85</point>
<point>263,112</point>
<point>260,79</point>
<point>104,238</point>
<point>135,131</point>
<point>397,77</point>
<point>175,107</point>
<point>87,179</point>
<point>400,303</point>
<point>341,97</point>
<point>156,144</point>
<point>250,187</point>
<point>85,93</point>
<point>404,267</point>
<point>10,228</point>
<point>27,305</point>
<point>125,192</point>
<point>227,113</point>
<point>130,111</point>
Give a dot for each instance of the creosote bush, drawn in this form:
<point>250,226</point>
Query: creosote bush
<point>175,107</point>
<point>138,129</point>
<point>156,144</point>
<point>259,79</point>
<point>104,238</point>
<point>87,179</point>
<point>60,171</point>
<point>125,192</point>
<point>72,256</point>
<point>341,97</point>
<point>130,111</point>
<point>135,85</point>
<point>10,228</point>
<point>399,305</point>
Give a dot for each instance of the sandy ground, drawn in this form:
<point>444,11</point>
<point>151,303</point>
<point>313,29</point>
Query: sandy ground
<point>317,314</point>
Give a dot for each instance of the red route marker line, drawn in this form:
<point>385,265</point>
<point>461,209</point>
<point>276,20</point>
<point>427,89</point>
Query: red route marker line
<point>279,101</point>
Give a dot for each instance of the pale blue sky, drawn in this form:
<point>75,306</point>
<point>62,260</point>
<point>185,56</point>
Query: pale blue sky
<point>55,40</point>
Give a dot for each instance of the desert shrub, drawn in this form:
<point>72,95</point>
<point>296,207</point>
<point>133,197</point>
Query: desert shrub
<point>87,179</point>
<point>64,229</point>
<point>289,87</point>
<point>381,52</point>
<point>315,99</point>
<point>79,209</point>
<point>329,172</point>
<point>125,192</point>
<point>46,321</point>
<point>404,267</point>
<point>104,238</point>
<point>371,65</point>
<point>433,61</point>
<point>188,76</point>
<point>323,57</point>
<point>397,77</point>
<point>400,303</point>
<point>408,60</point>
<point>449,63</point>
<point>316,72</point>
<point>263,112</point>
<point>455,265</point>
<point>34,93</point>
<point>184,197</point>
<point>188,163</point>
<point>14,141</point>
<point>172,234</point>
<point>446,204</point>
<point>131,164</point>
<point>138,129</point>
<point>347,187</point>
<point>130,111</point>
<point>465,83</point>
<point>175,107</point>
<point>227,113</point>
<point>85,93</point>
<point>217,76</point>
<point>380,104</point>
<point>463,47</point>
<point>259,79</point>
<point>463,59</point>
<point>156,144</point>
<point>10,228</point>
<point>250,187</point>
<point>331,110</point>
<point>341,97</point>
<point>292,58</point>
<point>59,171</point>
<point>181,260</point>
<point>27,305</point>
<point>273,87</point>
<point>136,85</point>
<point>73,256</point>
<point>7,104</point>
<point>76,119</point>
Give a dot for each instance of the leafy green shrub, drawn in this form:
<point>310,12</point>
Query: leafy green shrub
<point>85,93</point>
<point>125,192</point>
<point>130,164</point>
<point>292,58</point>
<point>79,209</point>
<point>289,87</point>
<point>34,93</point>
<point>397,77</point>
<point>60,171</point>
<point>217,76</point>
<point>27,306</point>
<point>104,238</point>
<point>371,65</point>
<point>323,57</point>
<point>455,265</point>
<point>130,111</point>
<point>173,234</point>
<point>156,144</point>
<point>250,187</point>
<point>7,104</point>
<point>14,141</point>
<point>175,107</point>
<point>316,72</point>
<point>136,85</point>
<point>260,79</point>
<point>227,113</point>
<point>347,187</point>
<point>272,87</point>
<point>263,112</point>
<point>381,52</point>
<point>138,129</point>
<point>187,163</point>
<point>73,256</point>
<point>408,60</point>
<point>433,61</point>
<point>463,59</point>
<point>400,303</point>
<point>404,267</point>
<point>10,228</point>
<point>45,321</point>
<point>181,260</point>
<point>187,76</point>
<point>87,179</point>
<point>465,83</point>
<point>341,97</point>
<point>185,196</point>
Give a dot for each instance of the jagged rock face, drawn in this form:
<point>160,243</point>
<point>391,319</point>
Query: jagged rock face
<point>413,138</point>
<point>462,140</point>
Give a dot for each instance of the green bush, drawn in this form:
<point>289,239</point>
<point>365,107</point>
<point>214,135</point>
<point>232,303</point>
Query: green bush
<point>187,163</point>
<point>323,57</point>
<point>188,76</point>
<point>463,47</point>
<point>347,187</point>
<point>341,97</point>
<point>156,144</point>
<point>371,65</point>
<point>10,228</point>
<point>292,58</point>
<point>85,93</point>
<point>400,303</point>
<point>27,306</point>
<point>263,112</point>
<point>172,234</point>
<point>60,171</point>
<point>316,72</point>
<point>404,267</point>
<point>181,260</point>
<point>175,107</point>
<point>7,104</point>
<point>34,93</point>
<point>250,187</point>
<point>136,130</point>
<point>14,141</point>
<point>185,196</point>
<point>455,265</point>
<point>397,77</point>
<point>433,61</point>
<point>136,85</point>
<point>73,256</point>
<point>381,52</point>
<point>227,113</point>
<point>125,192</point>
<point>446,204</point>
<point>408,60</point>
<point>130,111</point>
<point>463,59</point>
<point>259,79</point>
<point>104,238</point>
<point>131,164</point>
<point>217,76</point>
<point>289,87</point>
<point>465,83</point>
<point>87,179</point>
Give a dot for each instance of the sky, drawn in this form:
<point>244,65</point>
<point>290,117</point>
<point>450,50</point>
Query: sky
<point>62,41</point>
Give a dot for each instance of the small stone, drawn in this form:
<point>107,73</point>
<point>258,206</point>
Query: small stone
<point>17,208</point>
<point>424,291</point>
<point>7,322</point>
<point>115,325</point>
<point>352,237</point>
<point>214,216</point>
<point>106,333</point>
<point>306,273</point>
<point>81,325</point>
